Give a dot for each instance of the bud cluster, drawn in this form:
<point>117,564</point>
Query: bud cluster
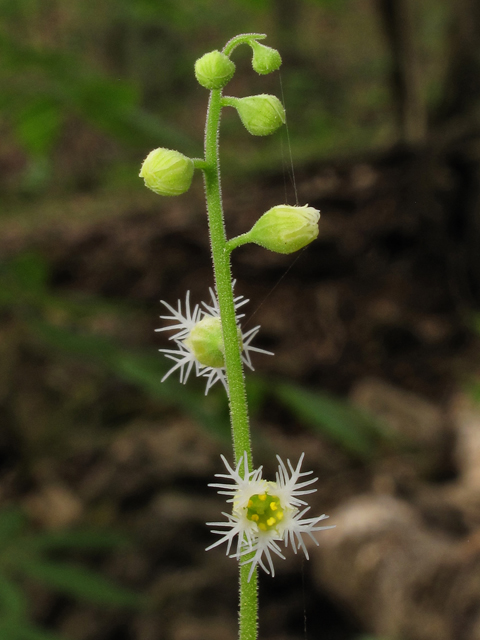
<point>168,172</point>
<point>215,69</point>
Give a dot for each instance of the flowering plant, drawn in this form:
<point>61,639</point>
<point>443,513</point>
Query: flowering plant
<point>209,339</point>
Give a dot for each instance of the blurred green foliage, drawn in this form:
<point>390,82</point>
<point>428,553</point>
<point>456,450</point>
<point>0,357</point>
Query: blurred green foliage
<point>27,555</point>
<point>355,431</point>
<point>121,71</point>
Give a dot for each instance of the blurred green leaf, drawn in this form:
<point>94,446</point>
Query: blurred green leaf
<point>13,603</point>
<point>352,429</point>
<point>64,84</point>
<point>142,369</point>
<point>85,540</point>
<point>22,555</point>
<point>23,631</point>
<point>12,523</point>
<point>257,391</point>
<point>473,388</point>
<point>335,5</point>
<point>78,582</point>
<point>36,174</point>
<point>27,271</point>
<point>38,124</point>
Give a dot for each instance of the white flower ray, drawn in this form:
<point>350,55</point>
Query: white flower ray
<point>250,539</point>
<point>184,322</point>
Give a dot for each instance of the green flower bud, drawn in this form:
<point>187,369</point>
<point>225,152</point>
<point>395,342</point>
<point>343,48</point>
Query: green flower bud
<point>285,229</point>
<point>205,341</point>
<point>167,172</point>
<point>261,115</point>
<point>214,70</point>
<point>265,59</point>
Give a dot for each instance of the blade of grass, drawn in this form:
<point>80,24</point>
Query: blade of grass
<point>355,431</point>
<point>78,582</point>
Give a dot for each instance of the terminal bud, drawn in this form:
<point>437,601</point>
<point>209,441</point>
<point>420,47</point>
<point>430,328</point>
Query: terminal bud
<point>265,59</point>
<point>167,172</point>
<point>285,229</point>
<point>213,70</point>
<point>261,115</point>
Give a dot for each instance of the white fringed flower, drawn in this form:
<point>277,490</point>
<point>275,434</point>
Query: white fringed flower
<point>199,340</point>
<point>265,513</point>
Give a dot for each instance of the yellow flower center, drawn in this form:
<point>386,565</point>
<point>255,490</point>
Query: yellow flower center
<point>265,510</point>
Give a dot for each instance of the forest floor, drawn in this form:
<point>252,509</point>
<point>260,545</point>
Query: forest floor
<point>377,311</point>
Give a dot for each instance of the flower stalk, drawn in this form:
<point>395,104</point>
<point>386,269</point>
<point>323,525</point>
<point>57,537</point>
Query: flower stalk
<point>233,364</point>
<point>223,281</point>
<point>211,342</point>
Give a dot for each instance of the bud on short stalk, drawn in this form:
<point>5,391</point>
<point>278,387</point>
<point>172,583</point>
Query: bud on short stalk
<point>261,115</point>
<point>167,172</point>
<point>265,59</point>
<point>214,70</point>
<point>283,229</point>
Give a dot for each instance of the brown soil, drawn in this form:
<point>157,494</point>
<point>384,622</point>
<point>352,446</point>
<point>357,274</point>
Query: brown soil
<point>383,295</point>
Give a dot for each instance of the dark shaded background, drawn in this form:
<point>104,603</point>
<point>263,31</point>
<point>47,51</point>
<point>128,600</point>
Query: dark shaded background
<point>374,326</point>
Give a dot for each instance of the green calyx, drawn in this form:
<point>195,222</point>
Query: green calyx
<point>214,70</point>
<point>167,172</point>
<point>265,59</point>
<point>205,341</point>
<point>261,115</point>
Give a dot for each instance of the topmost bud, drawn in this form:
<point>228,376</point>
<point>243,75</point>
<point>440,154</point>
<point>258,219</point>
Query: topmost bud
<point>265,59</point>
<point>214,70</point>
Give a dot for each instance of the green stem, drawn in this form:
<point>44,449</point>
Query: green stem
<point>233,363</point>
<point>223,280</point>
<point>238,241</point>
<point>244,38</point>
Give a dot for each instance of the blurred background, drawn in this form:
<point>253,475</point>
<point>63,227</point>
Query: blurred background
<point>103,469</point>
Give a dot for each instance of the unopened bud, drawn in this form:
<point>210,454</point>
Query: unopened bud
<point>205,341</point>
<point>167,172</point>
<point>265,59</point>
<point>285,229</point>
<point>261,115</point>
<point>213,70</point>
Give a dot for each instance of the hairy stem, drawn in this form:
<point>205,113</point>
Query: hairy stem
<point>238,241</point>
<point>233,361</point>
<point>244,38</point>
